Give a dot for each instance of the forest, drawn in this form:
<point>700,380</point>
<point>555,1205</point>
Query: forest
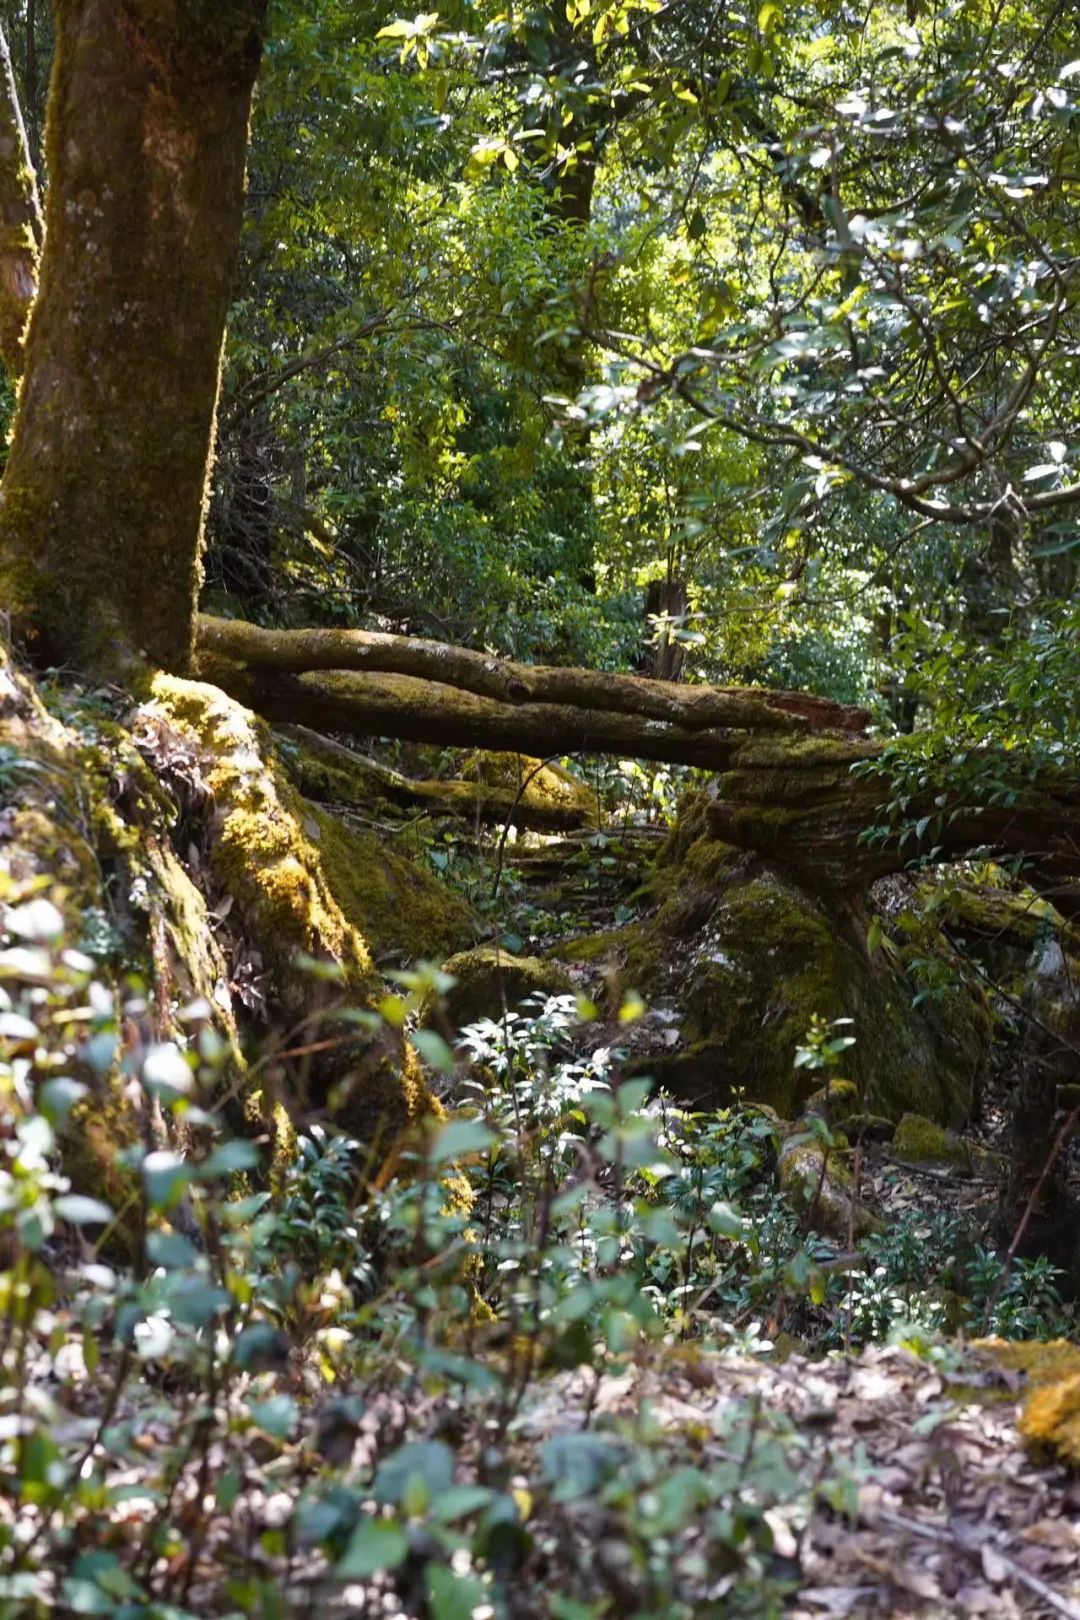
<point>539,809</point>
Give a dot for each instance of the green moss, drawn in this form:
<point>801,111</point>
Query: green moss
<point>401,909</point>
<point>1050,1419</point>
<point>919,1141</point>
<point>1001,916</point>
<point>588,948</point>
<point>543,787</point>
<point>265,843</point>
<point>92,1143</point>
<point>489,979</point>
<point>839,1101</point>
<point>304,885</point>
<point>786,748</point>
<point>750,957</point>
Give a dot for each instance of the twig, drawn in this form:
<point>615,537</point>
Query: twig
<point>972,1539</point>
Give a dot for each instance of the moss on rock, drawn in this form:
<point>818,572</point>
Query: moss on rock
<point>917,1140</point>
<point>751,958</point>
<point>1050,1419</point>
<point>402,910</point>
<point>820,1186</point>
<point>487,980</point>
<point>613,943</point>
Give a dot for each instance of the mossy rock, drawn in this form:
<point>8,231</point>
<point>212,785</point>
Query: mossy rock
<point>611,944</point>
<point>544,787</point>
<point>917,1140</point>
<point>402,911</point>
<point>1050,1419</point>
<point>751,958</point>
<point>487,980</point>
<point>304,886</point>
<point>870,1128</point>
<point>838,1101</point>
<point>821,1189</point>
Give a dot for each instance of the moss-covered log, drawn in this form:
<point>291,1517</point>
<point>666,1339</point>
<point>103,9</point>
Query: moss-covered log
<point>231,643</point>
<point>787,787</point>
<point>20,220</point>
<point>492,787</point>
<point>101,505</point>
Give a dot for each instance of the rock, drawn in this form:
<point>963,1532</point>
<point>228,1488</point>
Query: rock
<point>750,957</point>
<point>917,1140</point>
<point>1050,1420</point>
<point>870,1128</point>
<point>827,1201</point>
<point>837,1102</point>
<point>488,979</point>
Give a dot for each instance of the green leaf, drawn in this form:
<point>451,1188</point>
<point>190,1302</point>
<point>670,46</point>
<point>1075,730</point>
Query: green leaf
<point>171,1250</point>
<point>725,1221</point>
<point>58,1097</point>
<point>434,1050</point>
<point>165,1176</point>
<point>81,1211</point>
<point>460,1138</point>
<point>228,1160</point>
<point>578,1463</point>
<point>431,1462</point>
<point>452,1596</point>
<point>375,1545</point>
<point>276,1416</point>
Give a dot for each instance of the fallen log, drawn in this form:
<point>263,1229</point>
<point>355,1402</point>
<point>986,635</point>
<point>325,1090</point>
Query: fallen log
<point>785,763</point>
<point>544,800</point>
<point>363,652</point>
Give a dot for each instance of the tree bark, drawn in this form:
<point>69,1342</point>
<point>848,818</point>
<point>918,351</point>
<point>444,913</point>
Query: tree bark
<point>102,502</point>
<point>227,642</point>
<point>784,760</point>
<point>20,220</point>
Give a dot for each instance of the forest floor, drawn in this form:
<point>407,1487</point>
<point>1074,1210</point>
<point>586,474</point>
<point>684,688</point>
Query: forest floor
<point>674,1478</point>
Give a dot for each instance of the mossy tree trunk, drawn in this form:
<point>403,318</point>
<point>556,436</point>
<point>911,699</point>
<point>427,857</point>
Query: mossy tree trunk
<point>20,220</point>
<point>102,502</point>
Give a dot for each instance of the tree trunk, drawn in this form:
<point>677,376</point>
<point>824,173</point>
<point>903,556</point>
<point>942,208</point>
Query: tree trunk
<point>784,760</point>
<point>20,220</point>
<point>102,502</point>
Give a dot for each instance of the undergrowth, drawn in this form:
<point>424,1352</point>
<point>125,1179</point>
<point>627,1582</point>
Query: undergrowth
<point>348,1394</point>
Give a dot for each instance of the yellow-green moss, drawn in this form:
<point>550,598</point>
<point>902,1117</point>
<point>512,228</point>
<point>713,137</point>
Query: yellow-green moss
<point>919,1141</point>
<point>400,908</point>
<point>615,942</point>
<point>1050,1419</point>
<point>750,958</point>
<point>549,787</point>
<point>300,882</point>
<point>487,979</point>
<point>92,1142</point>
<point>265,841</point>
